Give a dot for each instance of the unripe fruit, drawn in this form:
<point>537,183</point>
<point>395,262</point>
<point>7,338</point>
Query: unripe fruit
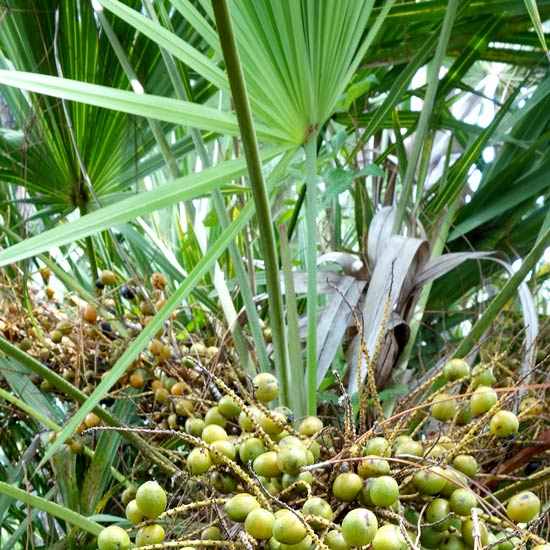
<point>466,464</point>
<point>150,534</point>
<point>455,369</point>
<point>304,544</point>
<point>288,529</point>
<point>467,532</point>
<point>291,459</point>
<point>359,527</point>
<point>212,532</point>
<point>485,378</point>
<point>438,512</point>
<point>430,538</point>
<point>244,420</point>
<point>113,538</point>
<point>224,447</point>
<point>452,541</point>
<point>266,465</point>
<point>408,449</point>
<point>266,387</point>
<point>483,399</point>
<point>133,513</point>
<point>151,499</point>
<point>107,278</point>
<point>523,507</point>
<point>443,407</point>
<point>198,461</point>
<point>214,416</point>
<point>346,487</point>
<point>389,537</point>
<point>213,432</point>
<point>228,407</point>
<point>429,482</point>
<point>378,446</point>
<point>317,506</point>
<point>194,426</point>
<point>259,524</point>
<point>384,491</point>
<point>250,449</point>
<point>239,506</point>
<point>373,466</point>
<point>462,501</point>
<point>504,423</point>
<point>310,425</point>
<point>335,541</point>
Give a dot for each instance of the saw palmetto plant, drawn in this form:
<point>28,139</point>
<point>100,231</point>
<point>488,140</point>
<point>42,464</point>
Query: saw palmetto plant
<point>333,192</point>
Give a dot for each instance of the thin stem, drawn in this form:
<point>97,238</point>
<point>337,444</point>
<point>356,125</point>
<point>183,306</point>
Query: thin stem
<point>259,190</point>
<point>311,263</point>
<point>425,115</point>
<point>503,296</point>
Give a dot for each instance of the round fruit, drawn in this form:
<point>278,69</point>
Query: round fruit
<point>239,506</point>
<point>335,541</point>
<point>213,432</point>
<point>259,524</point>
<point>389,537</point>
<point>359,527</point>
<point>378,446</point>
<point>310,425</point>
<point>151,499</point>
<point>504,423</point>
<point>452,541</point>
<point>228,407</point>
<point>455,369</point>
<point>384,491</point>
<point>429,482</point>
<point>214,416</point>
<point>250,449</point>
<point>274,423</point>
<point>212,532</point>
<point>288,529</point>
<point>266,387</point>
<point>150,534</point>
<point>443,407</point>
<point>304,544</point>
<point>462,501</point>
<point>466,464</point>
<point>291,459</point>
<point>107,278</point>
<point>438,512</point>
<point>467,531</point>
<point>430,538</point>
<point>485,378</point>
<point>113,538</point>
<point>373,466</point>
<point>194,426</point>
<point>133,513</point>
<point>346,487</point>
<point>198,461</point>
<point>523,507</point>
<point>224,447</point>
<point>244,420</point>
<point>408,449</point>
<point>483,399</point>
<point>317,506</point>
<point>266,465</point>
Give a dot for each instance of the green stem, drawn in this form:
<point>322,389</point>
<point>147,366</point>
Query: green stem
<point>425,115</point>
<point>507,291</point>
<point>259,190</point>
<point>311,265</point>
<point>90,252</point>
<point>51,508</point>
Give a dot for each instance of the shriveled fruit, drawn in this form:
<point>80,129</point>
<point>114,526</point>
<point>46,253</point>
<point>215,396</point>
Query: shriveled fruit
<point>359,527</point>
<point>389,537</point>
<point>443,407</point>
<point>259,524</point>
<point>113,538</point>
<point>504,423</point>
<point>239,506</point>
<point>288,529</point>
<point>266,387</point>
<point>346,486</point>
<point>150,534</point>
<point>151,499</point>
<point>523,507</point>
